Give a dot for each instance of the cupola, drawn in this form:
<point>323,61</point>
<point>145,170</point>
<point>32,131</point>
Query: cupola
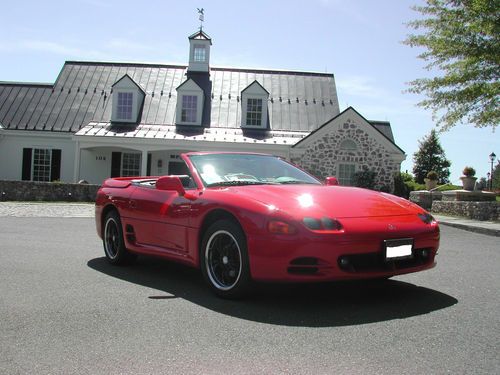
<point>199,52</point>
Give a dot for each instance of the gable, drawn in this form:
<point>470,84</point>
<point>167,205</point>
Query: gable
<point>348,125</point>
<point>189,85</point>
<point>255,88</point>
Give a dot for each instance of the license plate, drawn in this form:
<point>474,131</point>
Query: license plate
<point>401,248</point>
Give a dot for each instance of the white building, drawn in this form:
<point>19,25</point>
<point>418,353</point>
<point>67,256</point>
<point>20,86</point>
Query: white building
<point>102,119</point>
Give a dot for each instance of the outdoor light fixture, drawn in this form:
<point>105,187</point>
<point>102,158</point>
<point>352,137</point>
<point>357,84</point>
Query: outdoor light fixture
<point>492,159</point>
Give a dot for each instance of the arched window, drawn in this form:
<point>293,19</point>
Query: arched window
<point>348,145</point>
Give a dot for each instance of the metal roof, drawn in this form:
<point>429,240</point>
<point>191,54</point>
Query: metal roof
<point>298,101</point>
<point>108,130</point>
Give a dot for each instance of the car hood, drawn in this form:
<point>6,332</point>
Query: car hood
<point>331,201</point>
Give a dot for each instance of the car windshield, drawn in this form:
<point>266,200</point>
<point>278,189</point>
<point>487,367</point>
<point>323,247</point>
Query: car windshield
<point>247,169</point>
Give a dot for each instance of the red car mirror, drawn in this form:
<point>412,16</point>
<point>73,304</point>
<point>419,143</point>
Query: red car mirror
<point>332,181</point>
<point>170,183</point>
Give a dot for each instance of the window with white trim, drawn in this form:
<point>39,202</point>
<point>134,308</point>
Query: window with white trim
<point>131,164</point>
<point>254,112</point>
<point>41,164</point>
<point>189,108</point>
<point>124,106</point>
<point>346,174</point>
<point>200,53</point>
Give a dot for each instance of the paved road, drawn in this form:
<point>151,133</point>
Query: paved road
<point>64,310</point>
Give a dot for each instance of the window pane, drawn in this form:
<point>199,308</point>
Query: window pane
<point>199,53</point>
<point>131,164</point>
<point>124,107</point>
<point>189,108</point>
<point>348,144</point>
<point>346,174</point>
<point>254,112</point>
<point>41,164</point>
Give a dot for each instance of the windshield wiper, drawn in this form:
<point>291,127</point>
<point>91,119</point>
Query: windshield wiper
<point>291,182</point>
<point>235,183</point>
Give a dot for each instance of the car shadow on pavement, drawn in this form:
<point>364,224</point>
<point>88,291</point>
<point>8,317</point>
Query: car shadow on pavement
<point>304,305</point>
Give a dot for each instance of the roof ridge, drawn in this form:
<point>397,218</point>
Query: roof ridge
<point>213,67</point>
<point>16,83</point>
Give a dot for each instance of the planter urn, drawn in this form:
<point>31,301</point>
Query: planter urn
<point>430,184</point>
<point>468,183</point>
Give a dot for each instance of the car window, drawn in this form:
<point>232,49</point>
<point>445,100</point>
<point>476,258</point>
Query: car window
<point>247,169</point>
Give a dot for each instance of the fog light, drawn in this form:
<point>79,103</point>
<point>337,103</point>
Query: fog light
<point>425,253</point>
<point>344,262</point>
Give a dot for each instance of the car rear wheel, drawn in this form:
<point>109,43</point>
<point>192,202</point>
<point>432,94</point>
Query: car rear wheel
<point>224,259</point>
<point>114,245</point>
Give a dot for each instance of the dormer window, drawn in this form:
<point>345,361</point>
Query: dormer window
<point>189,103</point>
<point>199,53</point>
<point>189,108</point>
<point>128,98</point>
<point>254,101</point>
<point>124,107</point>
<point>254,112</point>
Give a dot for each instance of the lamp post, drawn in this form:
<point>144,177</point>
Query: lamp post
<point>492,159</point>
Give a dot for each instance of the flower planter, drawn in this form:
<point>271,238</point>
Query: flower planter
<point>468,183</point>
<point>430,184</point>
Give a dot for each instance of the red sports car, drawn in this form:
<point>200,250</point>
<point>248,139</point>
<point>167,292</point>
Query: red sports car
<point>243,217</point>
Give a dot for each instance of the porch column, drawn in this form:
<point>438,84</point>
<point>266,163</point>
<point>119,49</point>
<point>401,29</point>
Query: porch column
<point>144,162</point>
<point>76,166</point>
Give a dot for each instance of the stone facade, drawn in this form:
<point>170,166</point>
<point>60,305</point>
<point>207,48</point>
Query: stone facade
<point>323,156</point>
<point>47,191</point>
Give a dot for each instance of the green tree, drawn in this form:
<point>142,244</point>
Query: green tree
<point>431,157</point>
<point>461,40</point>
<point>496,177</point>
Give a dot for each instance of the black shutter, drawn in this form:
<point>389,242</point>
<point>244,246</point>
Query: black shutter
<point>148,169</point>
<point>26,174</point>
<point>116,163</point>
<point>55,165</point>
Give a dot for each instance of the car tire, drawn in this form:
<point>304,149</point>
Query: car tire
<point>113,242</point>
<point>224,260</point>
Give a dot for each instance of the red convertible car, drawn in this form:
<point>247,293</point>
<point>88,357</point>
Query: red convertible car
<point>242,217</point>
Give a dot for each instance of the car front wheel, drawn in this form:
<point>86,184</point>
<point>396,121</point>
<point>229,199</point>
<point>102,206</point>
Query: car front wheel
<point>224,259</point>
<point>114,246</point>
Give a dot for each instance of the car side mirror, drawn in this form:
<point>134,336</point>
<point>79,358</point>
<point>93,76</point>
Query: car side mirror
<point>332,181</point>
<point>170,183</point>
<point>173,183</point>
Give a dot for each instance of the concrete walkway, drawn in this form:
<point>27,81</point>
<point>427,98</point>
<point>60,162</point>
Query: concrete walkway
<point>64,209</point>
<point>491,228</point>
<point>46,209</point>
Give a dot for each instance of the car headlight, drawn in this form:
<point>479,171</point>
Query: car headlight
<point>323,224</point>
<point>426,218</point>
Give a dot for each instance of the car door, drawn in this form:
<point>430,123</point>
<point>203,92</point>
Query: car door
<point>161,219</point>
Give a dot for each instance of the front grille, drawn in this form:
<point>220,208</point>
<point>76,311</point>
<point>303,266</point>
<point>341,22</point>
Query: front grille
<point>373,262</point>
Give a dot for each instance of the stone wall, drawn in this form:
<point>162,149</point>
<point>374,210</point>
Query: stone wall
<point>47,191</point>
<point>322,157</point>
<point>471,210</point>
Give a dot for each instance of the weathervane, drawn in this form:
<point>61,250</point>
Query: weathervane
<point>201,17</point>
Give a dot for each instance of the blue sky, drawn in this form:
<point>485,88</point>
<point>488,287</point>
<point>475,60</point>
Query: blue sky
<point>357,40</point>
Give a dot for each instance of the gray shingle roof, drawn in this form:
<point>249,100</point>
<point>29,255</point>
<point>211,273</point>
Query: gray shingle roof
<point>298,101</point>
